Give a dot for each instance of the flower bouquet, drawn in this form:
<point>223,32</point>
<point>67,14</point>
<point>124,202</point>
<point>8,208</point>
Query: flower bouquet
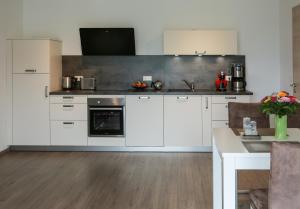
<point>281,105</point>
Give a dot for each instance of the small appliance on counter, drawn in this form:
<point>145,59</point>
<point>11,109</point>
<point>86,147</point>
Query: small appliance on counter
<point>221,82</point>
<point>88,84</point>
<point>67,82</point>
<point>238,74</point>
<point>77,82</point>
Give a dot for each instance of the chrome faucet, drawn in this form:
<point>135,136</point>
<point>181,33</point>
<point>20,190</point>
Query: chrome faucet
<point>191,85</point>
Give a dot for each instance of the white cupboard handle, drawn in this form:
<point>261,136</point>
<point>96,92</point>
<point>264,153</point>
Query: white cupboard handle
<point>68,123</point>
<point>206,103</point>
<point>183,98</point>
<point>68,97</point>
<point>144,97</point>
<point>230,97</point>
<point>30,70</point>
<point>46,91</point>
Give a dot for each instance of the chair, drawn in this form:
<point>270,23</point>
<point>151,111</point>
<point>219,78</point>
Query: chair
<point>237,111</point>
<point>294,120</point>
<point>284,189</point>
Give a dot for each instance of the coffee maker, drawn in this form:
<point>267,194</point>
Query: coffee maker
<point>238,77</point>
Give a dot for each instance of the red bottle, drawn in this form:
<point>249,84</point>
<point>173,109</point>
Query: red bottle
<point>221,82</point>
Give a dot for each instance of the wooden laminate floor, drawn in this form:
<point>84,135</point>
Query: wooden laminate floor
<point>34,180</point>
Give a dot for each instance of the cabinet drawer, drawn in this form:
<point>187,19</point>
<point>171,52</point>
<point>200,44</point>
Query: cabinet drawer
<point>68,111</point>
<point>229,98</point>
<point>68,99</point>
<point>220,124</point>
<point>219,111</point>
<point>72,133</point>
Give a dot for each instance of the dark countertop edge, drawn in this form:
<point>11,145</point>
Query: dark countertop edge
<point>124,92</point>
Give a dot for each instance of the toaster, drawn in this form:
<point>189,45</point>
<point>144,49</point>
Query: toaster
<point>88,84</point>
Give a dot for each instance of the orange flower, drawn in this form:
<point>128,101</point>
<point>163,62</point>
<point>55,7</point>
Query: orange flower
<point>283,94</point>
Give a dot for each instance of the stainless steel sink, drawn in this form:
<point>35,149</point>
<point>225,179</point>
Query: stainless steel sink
<point>188,90</point>
<point>257,146</point>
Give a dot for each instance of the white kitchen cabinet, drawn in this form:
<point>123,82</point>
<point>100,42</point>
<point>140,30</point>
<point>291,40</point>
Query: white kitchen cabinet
<point>183,121</point>
<point>144,121</point>
<point>220,124</point>
<point>193,42</point>
<point>230,98</point>
<point>68,99</point>
<point>207,121</point>
<point>219,111</point>
<point>31,109</point>
<point>68,115</point>
<point>219,108</point>
<point>36,68</point>
<point>69,133</point>
<point>68,111</point>
<point>35,56</point>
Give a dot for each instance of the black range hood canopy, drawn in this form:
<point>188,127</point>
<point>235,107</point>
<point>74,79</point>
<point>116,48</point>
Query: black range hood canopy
<point>107,41</point>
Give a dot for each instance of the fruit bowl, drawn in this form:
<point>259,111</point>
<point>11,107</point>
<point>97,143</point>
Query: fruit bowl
<point>139,85</point>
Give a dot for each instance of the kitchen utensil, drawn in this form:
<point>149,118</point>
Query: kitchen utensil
<point>157,85</point>
<point>67,82</point>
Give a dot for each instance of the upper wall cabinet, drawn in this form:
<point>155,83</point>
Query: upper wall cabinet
<point>31,56</point>
<point>200,42</point>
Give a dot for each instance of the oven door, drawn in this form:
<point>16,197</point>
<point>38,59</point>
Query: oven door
<point>106,121</point>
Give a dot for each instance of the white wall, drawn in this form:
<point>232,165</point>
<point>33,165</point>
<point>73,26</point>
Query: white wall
<point>256,21</point>
<point>10,25</point>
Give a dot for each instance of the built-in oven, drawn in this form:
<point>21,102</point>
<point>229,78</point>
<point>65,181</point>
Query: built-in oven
<point>106,117</point>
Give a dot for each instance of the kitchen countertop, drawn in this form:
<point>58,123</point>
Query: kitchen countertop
<point>149,92</point>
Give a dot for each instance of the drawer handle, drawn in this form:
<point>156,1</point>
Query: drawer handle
<point>230,97</point>
<point>183,98</point>
<point>30,70</point>
<point>226,106</point>
<point>67,97</point>
<point>68,123</point>
<point>142,97</point>
<point>206,103</point>
<point>68,106</point>
<point>227,124</point>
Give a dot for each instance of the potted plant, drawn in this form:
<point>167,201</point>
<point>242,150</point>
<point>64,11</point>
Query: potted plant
<point>281,105</point>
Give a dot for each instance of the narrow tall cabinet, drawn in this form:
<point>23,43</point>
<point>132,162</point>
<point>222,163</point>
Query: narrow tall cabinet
<point>36,68</point>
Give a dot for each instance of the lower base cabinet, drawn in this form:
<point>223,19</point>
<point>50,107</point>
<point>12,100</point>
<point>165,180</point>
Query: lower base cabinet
<point>69,133</point>
<point>183,121</point>
<point>144,121</point>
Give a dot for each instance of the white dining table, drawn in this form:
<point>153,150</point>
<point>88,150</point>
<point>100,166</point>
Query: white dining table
<point>229,156</point>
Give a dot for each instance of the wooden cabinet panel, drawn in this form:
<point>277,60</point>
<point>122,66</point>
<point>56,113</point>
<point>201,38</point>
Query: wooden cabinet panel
<point>68,111</point>
<point>31,56</point>
<point>144,121</point>
<point>31,109</point>
<point>183,121</point>
<point>192,42</point>
<point>68,99</point>
<point>73,133</point>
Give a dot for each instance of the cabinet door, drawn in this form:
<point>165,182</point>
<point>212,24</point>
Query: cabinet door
<point>144,121</point>
<point>31,109</point>
<point>31,56</point>
<point>183,121</point>
<point>207,127</point>
<point>219,111</point>
<point>72,133</point>
<point>191,42</point>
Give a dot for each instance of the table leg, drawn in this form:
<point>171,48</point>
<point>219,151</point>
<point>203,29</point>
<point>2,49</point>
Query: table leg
<point>229,184</point>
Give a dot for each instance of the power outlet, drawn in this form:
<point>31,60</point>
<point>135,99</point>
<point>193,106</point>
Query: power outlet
<point>147,78</point>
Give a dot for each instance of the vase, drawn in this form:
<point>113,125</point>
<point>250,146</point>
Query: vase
<point>281,127</point>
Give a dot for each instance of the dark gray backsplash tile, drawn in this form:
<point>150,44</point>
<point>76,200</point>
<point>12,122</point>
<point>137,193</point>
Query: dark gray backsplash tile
<point>118,72</point>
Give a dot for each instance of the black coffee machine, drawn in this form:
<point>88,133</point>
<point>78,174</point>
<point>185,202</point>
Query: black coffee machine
<point>238,80</point>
